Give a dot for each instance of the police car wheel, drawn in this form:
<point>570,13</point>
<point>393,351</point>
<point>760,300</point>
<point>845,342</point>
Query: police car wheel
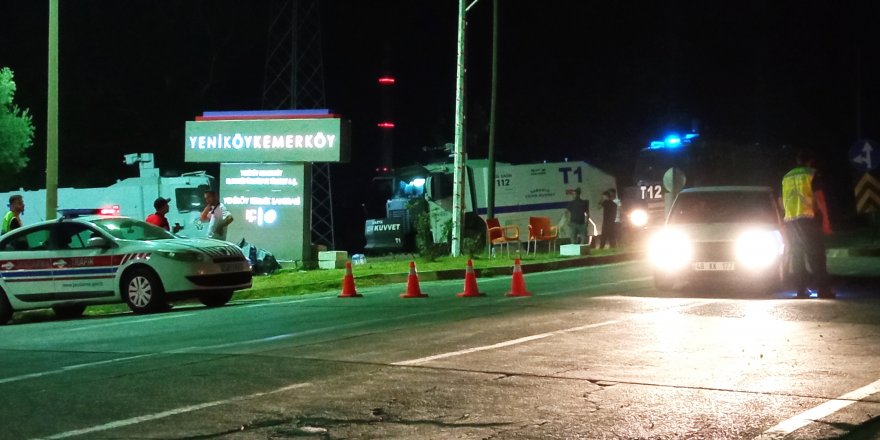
<point>5,309</point>
<point>215,299</point>
<point>68,312</point>
<point>142,290</point>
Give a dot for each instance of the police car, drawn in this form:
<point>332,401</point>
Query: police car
<point>81,260</point>
<point>720,234</point>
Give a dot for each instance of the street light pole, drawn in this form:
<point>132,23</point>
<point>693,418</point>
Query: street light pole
<point>458,153</point>
<point>52,115</point>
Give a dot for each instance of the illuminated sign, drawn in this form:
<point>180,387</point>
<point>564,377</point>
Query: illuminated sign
<point>267,140</point>
<point>270,204</point>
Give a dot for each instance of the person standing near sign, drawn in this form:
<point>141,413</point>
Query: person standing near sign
<point>578,209</point>
<point>158,218</point>
<point>806,219</point>
<point>216,215</point>
<point>12,219</point>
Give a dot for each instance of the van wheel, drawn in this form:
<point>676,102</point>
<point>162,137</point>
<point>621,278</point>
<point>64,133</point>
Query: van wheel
<point>215,299</point>
<point>69,312</point>
<point>5,309</point>
<point>142,290</point>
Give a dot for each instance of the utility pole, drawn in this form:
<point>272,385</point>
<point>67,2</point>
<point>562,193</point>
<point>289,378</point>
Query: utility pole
<point>52,116</point>
<point>458,153</point>
<point>490,198</point>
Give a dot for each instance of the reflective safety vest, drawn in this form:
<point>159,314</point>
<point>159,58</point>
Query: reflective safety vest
<point>7,221</point>
<point>797,193</point>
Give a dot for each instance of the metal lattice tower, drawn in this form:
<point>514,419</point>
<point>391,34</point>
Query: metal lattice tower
<point>294,79</point>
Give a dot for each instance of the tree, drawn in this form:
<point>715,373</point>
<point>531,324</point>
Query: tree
<point>16,128</point>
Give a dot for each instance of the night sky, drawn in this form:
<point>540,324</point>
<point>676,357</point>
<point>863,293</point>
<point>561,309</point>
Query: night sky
<point>582,80</point>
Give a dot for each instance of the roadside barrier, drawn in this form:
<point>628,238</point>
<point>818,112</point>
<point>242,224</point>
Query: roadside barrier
<point>517,282</point>
<point>412,284</point>
<point>470,282</point>
<point>348,289</point>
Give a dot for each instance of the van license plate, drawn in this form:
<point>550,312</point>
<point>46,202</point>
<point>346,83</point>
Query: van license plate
<point>714,265</point>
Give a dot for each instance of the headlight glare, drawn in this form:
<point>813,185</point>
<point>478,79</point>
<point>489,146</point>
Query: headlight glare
<point>638,217</point>
<point>758,249</point>
<point>670,250</point>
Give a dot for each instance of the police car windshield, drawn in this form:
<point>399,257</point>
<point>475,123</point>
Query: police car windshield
<point>131,229</point>
<point>723,207</point>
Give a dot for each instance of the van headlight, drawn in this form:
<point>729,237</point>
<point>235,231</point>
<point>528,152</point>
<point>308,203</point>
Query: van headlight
<point>670,250</point>
<point>638,217</point>
<point>758,249</point>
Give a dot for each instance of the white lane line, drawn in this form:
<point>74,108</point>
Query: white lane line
<point>130,321</point>
<point>826,409</point>
<point>283,303</point>
<point>172,412</point>
<point>532,338</point>
<point>72,367</point>
<point>503,344</point>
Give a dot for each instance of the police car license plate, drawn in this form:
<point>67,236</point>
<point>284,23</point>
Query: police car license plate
<point>233,267</point>
<point>714,265</point>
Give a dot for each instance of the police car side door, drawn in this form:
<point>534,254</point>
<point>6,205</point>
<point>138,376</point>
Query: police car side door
<point>26,266</point>
<point>82,272</point>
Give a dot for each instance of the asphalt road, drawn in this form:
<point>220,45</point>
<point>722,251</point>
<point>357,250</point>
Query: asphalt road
<point>596,353</point>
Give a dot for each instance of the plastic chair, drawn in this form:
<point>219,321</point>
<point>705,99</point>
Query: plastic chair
<point>540,229</point>
<point>501,235</point>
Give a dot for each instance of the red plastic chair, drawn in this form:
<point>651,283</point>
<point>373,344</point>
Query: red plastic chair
<point>501,235</point>
<point>540,229</point>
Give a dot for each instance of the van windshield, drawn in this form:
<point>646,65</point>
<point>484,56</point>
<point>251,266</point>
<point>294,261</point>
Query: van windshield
<point>724,207</point>
<point>131,229</point>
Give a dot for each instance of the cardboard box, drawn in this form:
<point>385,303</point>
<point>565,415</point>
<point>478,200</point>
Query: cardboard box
<point>574,249</point>
<point>333,256</point>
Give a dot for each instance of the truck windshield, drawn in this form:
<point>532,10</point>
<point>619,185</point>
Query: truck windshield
<point>131,229</point>
<point>653,163</point>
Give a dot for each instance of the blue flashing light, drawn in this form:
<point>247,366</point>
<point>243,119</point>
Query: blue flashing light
<point>673,141</point>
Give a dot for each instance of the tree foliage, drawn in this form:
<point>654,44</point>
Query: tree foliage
<point>16,127</point>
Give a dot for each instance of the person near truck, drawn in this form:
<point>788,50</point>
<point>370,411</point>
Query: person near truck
<point>216,215</point>
<point>12,219</point>
<point>578,210</point>
<point>609,213</point>
<point>806,219</point>
<point>158,218</point>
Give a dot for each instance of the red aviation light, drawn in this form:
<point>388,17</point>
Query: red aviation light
<point>386,81</point>
<point>386,124</point>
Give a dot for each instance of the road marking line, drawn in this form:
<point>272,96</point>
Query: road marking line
<point>532,338</point>
<point>72,367</point>
<point>172,412</point>
<point>826,409</point>
<point>134,321</point>
<point>503,344</point>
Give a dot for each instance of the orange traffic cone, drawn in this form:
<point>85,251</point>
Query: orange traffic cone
<point>470,282</point>
<point>412,284</point>
<point>518,283</point>
<point>348,290</point>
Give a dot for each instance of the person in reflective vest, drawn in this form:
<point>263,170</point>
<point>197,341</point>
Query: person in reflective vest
<point>806,219</point>
<point>12,219</point>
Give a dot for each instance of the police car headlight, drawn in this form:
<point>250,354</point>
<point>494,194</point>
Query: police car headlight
<point>638,217</point>
<point>182,255</point>
<point>670,250</point>
<point>758,249</point>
